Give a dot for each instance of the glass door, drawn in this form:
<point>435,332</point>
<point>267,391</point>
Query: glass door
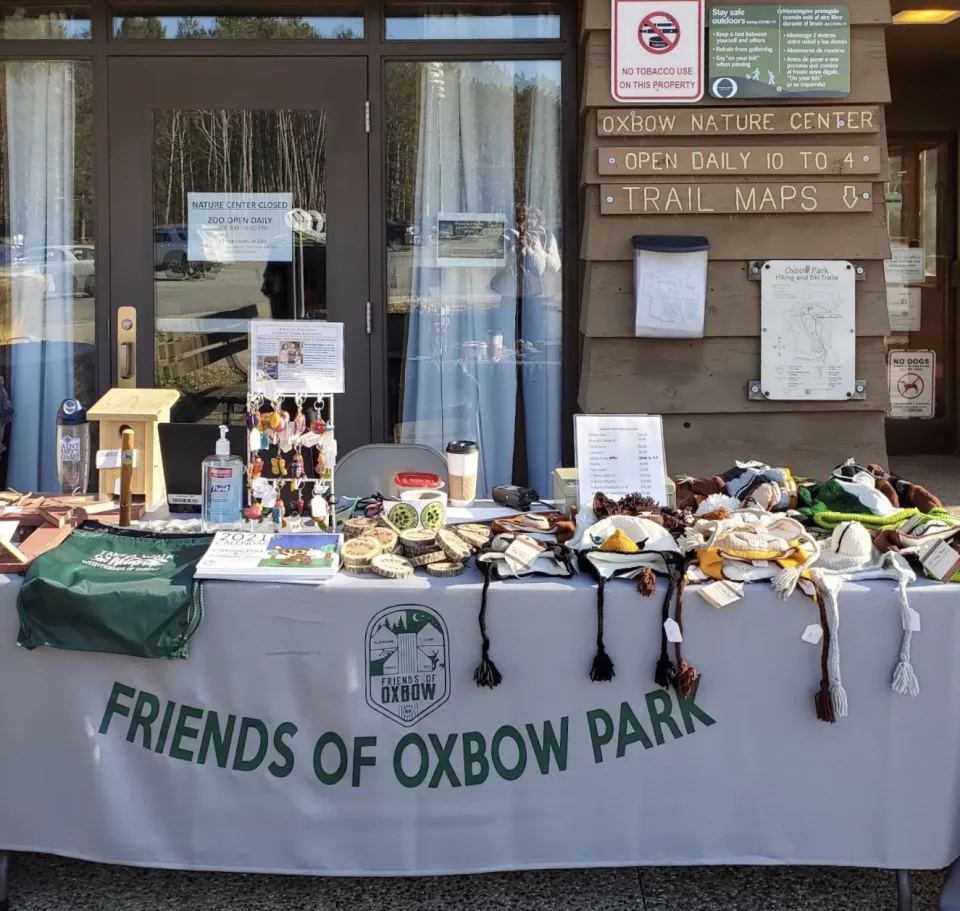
<point>921,219</point>
<point>238,191</point>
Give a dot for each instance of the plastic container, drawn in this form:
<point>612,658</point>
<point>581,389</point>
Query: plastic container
<point>73,447</point>
<point>415,480</point>
<point>222,488</point>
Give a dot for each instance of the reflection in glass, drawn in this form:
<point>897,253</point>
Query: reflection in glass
<point>331,22</point>
<point>47,258</point>
<point>41,21</point>
<point>473,262</point>
<point>207,287</point>
<point>472,21</point>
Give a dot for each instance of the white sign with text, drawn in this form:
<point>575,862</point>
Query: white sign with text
<point>657,51</point>
<point>239,227</point>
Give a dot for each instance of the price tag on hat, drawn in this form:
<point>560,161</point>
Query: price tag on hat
<point>672,629</point>
<point>813,634</point>
<point>522,553</point>
<point>941,561</point>
<point>722,593</point>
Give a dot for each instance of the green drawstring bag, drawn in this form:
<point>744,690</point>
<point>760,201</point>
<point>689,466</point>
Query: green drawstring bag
<point>116,590</point>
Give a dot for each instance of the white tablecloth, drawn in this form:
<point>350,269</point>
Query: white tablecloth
<point>745,774</point>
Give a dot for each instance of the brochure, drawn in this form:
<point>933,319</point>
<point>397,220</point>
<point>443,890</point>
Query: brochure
<point>271,557</point>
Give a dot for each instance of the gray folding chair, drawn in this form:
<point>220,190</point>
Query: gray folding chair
<point>369,469</point>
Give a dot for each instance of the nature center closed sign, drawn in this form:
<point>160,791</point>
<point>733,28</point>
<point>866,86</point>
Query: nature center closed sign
<point>239,227</point>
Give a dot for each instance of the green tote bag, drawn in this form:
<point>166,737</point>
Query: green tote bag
<point>116,590</point>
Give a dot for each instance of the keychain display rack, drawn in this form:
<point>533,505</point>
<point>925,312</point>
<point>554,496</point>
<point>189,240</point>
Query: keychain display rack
<point>291,455</point>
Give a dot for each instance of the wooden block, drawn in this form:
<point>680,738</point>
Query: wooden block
<point>733,302</point>
<point>124,405</point>
<point>811,446</point>
<point>710,375</point>
<point>740,198</point>
<point>12,552</point>
<point>860,235</point>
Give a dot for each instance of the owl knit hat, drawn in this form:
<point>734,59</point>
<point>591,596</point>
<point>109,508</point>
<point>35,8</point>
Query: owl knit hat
<point>852,557</point>
<point>634,547</point>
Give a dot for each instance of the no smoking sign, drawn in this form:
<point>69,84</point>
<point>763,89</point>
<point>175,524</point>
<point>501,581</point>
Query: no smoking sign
<point>910,379</point>
<point>657,51</point>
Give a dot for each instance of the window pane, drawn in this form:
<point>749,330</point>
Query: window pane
<point>46,289</point>
<point>477,21</point>
<point>240,233</point>
<point>474,239</point>
<point>330,22</point>
<point>48,22</point>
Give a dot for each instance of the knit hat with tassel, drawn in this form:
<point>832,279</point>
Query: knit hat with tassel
<point>633,547</point>
<point>556,560</point>
<point>852,557</point>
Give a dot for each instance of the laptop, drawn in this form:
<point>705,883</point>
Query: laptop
<point>183,447</point>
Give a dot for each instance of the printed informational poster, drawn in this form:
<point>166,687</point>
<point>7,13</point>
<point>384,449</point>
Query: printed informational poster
<point>472,239</point>
<point>239,227</point>
<point>617,454</point>
<point>911,378</point>
<point>779,52</point>
<point>291,356</point>
<point>905,266</point>
<point>657,51</point>
<point>808,337</point>
<point>903,308</point>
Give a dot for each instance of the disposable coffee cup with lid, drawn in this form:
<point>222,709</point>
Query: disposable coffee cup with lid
<point>463,461</point>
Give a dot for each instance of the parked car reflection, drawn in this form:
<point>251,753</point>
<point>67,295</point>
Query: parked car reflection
<point>69,269</point>
<point>171,254</point>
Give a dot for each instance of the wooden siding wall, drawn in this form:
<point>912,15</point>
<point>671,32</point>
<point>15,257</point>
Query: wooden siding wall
<point>699,386</point>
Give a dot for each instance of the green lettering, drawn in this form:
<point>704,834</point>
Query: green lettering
<point>246,726</point>
<point>183,730</point>
<point>417,779</point>
<point>221,744</point>
<point>444,766</point>
<point>690,710</point>
<point>474,755</point>
<point>359,760</point>
<point>662,715</point>
<point>145,712</point>
<point>630,731</point>
<point>322,774</point>
<point>498,738</point>
<point>165,726</point>
<point>598,739</point>
<point>543,749</point>
<point>282,770</point>
<point>114,707</point>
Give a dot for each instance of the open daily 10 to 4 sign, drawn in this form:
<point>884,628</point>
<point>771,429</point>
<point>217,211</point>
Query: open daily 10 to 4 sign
<point>657,51</point>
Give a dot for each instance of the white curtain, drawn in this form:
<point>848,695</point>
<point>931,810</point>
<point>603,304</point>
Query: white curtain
<point>40,124</point>
<point>460,376</point>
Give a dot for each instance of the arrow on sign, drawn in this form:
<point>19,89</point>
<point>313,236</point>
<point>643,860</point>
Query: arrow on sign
<point>849,196</point>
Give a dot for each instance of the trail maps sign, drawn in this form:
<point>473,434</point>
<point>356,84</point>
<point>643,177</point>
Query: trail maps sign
<point>657,51</point>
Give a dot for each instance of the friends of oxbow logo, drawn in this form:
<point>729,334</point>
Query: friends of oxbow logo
<point>408,652</point>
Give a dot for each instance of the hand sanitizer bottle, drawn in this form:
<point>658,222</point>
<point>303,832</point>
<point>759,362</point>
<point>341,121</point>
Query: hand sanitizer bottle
<point>222,488</point>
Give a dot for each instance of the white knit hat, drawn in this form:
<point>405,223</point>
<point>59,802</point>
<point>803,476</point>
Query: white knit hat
<point>852,557</point>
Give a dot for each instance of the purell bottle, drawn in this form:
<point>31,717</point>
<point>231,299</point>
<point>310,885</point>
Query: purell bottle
<point>73,447</point>
<point>222,488</point>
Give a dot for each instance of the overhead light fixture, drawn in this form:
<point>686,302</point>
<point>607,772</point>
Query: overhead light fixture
<point>925,16</point>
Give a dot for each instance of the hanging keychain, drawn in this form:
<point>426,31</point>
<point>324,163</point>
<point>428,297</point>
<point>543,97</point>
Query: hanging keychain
<point>253,422</point>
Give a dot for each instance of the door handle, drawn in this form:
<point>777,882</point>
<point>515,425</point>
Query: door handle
<point>126,346</point>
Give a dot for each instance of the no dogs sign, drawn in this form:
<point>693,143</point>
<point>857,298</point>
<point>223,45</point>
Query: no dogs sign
<point>910,378</point>
<point>657,51</point>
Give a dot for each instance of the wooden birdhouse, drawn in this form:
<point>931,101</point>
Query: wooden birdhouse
<point>141,410</point>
